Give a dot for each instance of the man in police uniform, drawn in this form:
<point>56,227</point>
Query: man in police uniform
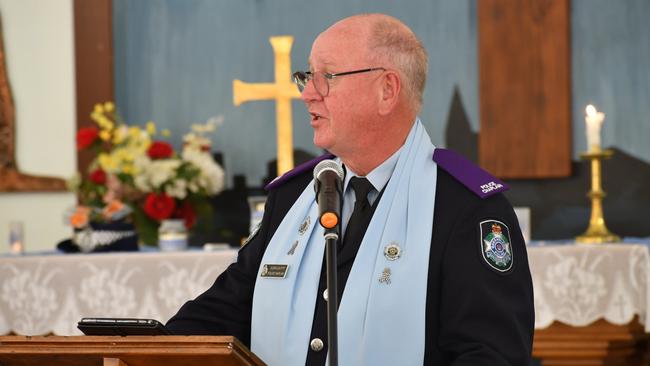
<point>469,299</point>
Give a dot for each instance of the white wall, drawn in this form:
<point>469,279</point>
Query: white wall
<point>39,51</point>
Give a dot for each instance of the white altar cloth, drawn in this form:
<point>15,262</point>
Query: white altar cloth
<point>573,284</point>
<point>579,284</point>
<point>50,293</point>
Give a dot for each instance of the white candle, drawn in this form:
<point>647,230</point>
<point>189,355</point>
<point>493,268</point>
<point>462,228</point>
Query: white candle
<point>594,120</point>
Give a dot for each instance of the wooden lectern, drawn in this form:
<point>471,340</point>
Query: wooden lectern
<point>598,344</point>
<point>125,351</point>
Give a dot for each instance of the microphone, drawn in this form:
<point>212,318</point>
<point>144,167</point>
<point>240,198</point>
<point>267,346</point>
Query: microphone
<point>328,184</point>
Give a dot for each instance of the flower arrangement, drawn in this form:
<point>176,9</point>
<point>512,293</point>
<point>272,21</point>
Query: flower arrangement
<point>137,177</point>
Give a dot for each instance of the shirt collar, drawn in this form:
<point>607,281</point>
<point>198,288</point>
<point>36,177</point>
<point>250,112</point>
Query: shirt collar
<point>379,176</point>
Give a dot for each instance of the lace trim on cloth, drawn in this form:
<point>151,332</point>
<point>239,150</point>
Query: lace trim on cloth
<point>579,284</point>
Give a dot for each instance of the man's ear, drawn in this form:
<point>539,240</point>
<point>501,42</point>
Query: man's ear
<point>391,86</point>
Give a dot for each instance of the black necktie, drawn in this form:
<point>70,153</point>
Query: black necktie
<point>361,214</point>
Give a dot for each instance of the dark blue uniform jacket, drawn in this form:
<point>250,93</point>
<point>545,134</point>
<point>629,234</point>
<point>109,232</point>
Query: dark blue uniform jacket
<point>475,315</point>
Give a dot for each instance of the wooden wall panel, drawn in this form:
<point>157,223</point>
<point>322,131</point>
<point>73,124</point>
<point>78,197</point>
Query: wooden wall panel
<point>93,36</point>
<point>525,88</point>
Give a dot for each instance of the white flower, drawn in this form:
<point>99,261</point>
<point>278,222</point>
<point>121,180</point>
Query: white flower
<point>211,175</point>
<point>161,171</point>
<point>154,173</point>
<point>142,183</point>
<point>141,180</point>
<point>178,189</point>
<point>197,138</point>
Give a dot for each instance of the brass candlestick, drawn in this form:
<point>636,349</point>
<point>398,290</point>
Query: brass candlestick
<point>597,232</point>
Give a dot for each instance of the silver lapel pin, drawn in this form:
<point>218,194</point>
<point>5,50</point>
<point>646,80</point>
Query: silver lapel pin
<point>304,226</point>
<point>385,276</point>
<point>392,251</point>
<point>293,248</point>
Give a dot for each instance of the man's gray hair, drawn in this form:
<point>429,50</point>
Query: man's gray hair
<point>394,42</point>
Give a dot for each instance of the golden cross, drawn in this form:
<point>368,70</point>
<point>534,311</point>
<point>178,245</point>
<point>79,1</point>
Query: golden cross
<point>283,90</point>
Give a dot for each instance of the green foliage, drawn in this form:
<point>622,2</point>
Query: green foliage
<point>147,227</point>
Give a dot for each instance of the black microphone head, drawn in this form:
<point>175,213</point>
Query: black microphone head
<point>326,165</point>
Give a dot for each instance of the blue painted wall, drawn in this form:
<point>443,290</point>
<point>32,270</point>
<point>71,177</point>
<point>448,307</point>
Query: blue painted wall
<point>611,69</point>
<point>175,61</point>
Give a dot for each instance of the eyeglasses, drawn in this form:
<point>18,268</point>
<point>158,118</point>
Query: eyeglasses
<point>321,79</point>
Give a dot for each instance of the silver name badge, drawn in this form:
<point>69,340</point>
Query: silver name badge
<point>274,270</point>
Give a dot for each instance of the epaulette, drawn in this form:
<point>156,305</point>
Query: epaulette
<point>309,165</point>
<point>471,176</point>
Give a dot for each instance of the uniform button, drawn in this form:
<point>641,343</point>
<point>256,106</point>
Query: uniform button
<point>316,345</point>
<point>325,296</point>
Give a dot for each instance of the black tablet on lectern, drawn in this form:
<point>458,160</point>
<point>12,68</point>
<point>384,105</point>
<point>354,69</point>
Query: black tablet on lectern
<point>121,326</point>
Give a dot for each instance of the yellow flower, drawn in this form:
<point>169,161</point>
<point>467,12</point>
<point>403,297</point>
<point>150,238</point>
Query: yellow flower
<point>109,107</point>
<point>124,155</point>
<point>119,136</point>
<point>105,135</point>
<point>151,128</point>
<point>127,169</point>
<point>119,153</point>
<point>98,108</point>
<point>134,132</point>
<point>142,148</point>
<point>105,123</point>
<point>166,133</point>
<point>107,162</point>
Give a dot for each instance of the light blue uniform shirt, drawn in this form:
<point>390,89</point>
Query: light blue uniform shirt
<point>378,177</point>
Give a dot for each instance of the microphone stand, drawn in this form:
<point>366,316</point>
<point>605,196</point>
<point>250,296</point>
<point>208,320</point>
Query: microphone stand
<point>328,176</point>
<point>331,239</point>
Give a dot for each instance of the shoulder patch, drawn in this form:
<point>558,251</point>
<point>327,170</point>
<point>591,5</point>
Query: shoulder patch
<point>309,165</point>
<point>479,181</point>
<point>495,245</point>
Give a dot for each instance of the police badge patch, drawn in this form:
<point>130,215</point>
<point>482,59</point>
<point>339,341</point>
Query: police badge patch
<point>495,245</point>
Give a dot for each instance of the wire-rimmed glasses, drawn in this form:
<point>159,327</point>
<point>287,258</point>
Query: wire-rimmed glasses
<point>321,79</point>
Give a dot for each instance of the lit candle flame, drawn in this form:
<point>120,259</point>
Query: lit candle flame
<point>591,110</point>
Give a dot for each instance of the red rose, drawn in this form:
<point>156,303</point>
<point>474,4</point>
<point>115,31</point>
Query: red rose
<point>86,136</point>
<point>187,213</point>
<point>159,206</point>
<point>98,176</point>
<point>160,150</point>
